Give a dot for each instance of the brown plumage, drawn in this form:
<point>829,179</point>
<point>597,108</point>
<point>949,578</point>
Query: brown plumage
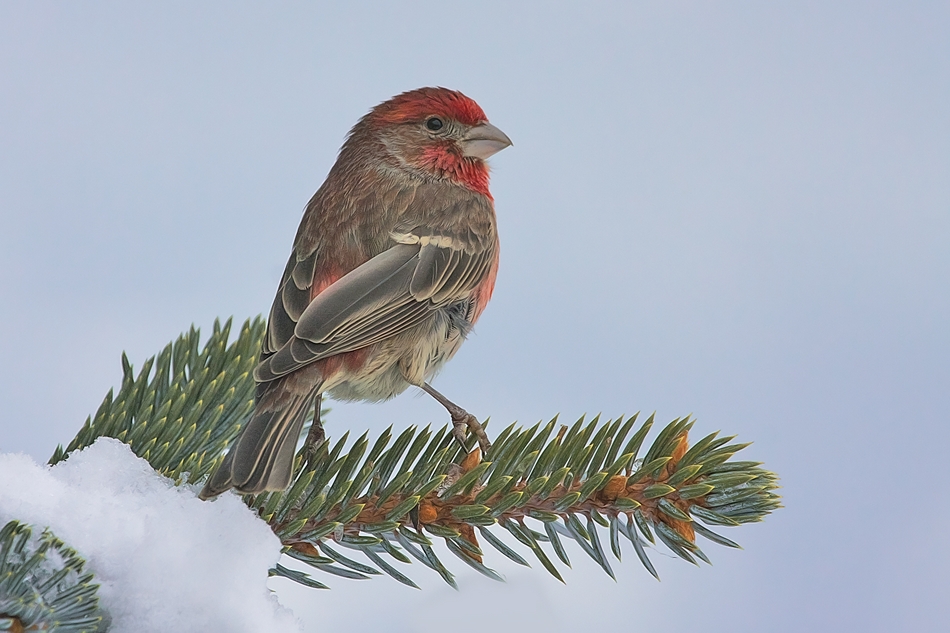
<point>394,260</point>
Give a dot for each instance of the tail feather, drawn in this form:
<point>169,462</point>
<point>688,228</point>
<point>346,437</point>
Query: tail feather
<point>220,479</point>
<point>262,457</point>
<point>276,471</point>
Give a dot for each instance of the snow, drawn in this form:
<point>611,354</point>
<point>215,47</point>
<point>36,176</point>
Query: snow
<point>165,560</point>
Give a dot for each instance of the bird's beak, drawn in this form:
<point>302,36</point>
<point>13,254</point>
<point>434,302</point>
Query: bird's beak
<point>484,140</point>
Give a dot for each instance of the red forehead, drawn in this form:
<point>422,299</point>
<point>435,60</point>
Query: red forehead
<point>416,105</point>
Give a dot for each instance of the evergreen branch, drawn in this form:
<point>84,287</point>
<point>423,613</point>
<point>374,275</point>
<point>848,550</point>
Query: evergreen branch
<point>520,482</point>
<point>186,405</point>
<point>390,499</point>
<point>42,584</point>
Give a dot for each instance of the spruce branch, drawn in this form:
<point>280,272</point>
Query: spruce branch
<point>186,405</point>
<point>391,500</point>
<point>572,486</point>
<point>42,584</point>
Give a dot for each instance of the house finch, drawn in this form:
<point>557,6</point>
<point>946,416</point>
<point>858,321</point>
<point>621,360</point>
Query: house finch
<point>394,260</point>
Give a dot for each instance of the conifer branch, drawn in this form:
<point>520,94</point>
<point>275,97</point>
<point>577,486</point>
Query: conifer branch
<point>186,405</point>
<point>393,499</point>
<point>42,584</point>
<point>585,479</point>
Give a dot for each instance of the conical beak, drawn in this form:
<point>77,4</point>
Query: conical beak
<point>484,140</point>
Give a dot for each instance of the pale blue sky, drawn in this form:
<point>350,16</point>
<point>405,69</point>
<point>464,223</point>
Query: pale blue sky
<point>739,210</point>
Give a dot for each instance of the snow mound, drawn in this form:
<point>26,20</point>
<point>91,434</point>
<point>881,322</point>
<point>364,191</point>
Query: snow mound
<point>166,561</point>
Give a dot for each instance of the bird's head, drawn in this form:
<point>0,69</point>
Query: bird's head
<point>439,133</point>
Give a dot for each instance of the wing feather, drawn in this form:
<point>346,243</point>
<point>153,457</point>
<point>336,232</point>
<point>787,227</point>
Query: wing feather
<point>291,300</point>
<point>373,287</point>
<point>429,268</point>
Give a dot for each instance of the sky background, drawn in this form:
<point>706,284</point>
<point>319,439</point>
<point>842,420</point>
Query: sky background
<point>739,210</point>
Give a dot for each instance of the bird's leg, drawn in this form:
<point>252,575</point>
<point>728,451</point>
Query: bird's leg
<point>316,434</point>
<point>461,419</point>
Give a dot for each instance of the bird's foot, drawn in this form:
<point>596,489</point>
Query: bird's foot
<point>316,435</point>
<point>462,420</point>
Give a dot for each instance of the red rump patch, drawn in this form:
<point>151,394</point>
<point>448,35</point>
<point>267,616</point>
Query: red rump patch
<point>417,104</point>
<point>323,278</point>
<point>349,361</point>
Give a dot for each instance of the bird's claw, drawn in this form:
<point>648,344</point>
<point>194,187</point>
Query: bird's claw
<point>462,420</point>
<point>315,437</point>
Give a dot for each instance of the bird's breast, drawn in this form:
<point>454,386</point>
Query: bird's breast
<point>484,290</point>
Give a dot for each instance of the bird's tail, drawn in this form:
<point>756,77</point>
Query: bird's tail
<point>262,457</point>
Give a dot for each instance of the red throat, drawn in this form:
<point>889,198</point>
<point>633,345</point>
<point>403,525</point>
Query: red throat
<point>442,159</point>
<point>468,172</point>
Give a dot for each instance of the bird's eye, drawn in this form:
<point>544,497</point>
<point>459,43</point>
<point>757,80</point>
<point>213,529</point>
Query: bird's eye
<point>434,123</point>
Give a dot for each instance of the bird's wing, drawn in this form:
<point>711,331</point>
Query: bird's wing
<point>390,293</point>
<point>292,299</point>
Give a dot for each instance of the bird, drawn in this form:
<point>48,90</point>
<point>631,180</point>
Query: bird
<point>394,261</point>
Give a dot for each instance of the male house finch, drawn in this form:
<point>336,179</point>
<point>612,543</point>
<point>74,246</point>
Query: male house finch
<point>394,260</point>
